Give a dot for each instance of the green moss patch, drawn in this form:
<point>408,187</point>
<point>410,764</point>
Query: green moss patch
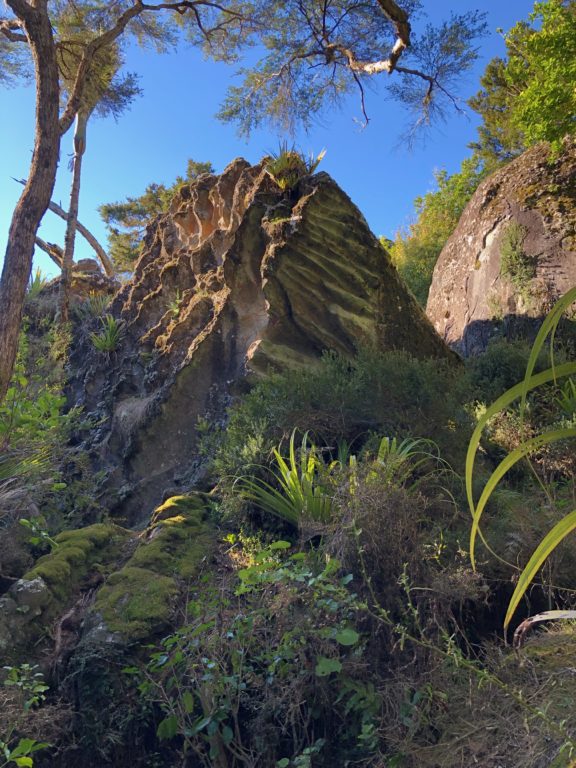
<point>79,554</point>
<point>137,601</point>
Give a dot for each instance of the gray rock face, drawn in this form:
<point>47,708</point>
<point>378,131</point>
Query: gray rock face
<point>237,278</point>
<point>19,608</point>
<point>472,296</point>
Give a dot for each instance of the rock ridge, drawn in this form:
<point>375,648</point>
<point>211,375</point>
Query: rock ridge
<point>239,277</point>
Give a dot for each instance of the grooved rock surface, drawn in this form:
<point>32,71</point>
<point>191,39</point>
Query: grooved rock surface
<point>238,277</point>
<point>470,299</point>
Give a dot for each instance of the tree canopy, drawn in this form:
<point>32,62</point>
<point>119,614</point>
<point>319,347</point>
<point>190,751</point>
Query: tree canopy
<point>531,95</point>
<point>317,51</point>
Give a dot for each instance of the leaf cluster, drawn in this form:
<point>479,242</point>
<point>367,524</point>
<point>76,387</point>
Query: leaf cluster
<point>243,677</point>
<point>531,95</point>
<point>109,338</point>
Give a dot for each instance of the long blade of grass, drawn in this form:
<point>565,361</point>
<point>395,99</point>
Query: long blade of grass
<point>546,546</point>
<point>549,325</point>
<point>529,446</point>
<point>502,402</point>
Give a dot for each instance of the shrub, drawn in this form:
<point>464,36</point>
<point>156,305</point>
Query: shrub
<point>289,165</point>
<point>268,669</point>
<point>389,393</point>
<point>515,264</point>
<point>110,336</point>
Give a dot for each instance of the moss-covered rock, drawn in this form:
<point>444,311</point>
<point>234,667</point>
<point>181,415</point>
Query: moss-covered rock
<point>82,558</point>
<point>79,554</point>
<point>138,600</point>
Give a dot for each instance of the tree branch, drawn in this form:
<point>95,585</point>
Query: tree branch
<point>399,19</point>
<point>53,250</point>
<point>89,52</point>
<point>8,27</point>
<point>104,259</point>
<point>359,67</point>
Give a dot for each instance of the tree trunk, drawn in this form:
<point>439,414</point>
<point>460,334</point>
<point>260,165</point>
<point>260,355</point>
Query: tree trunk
<point>38,190</point>
<point>101,254</point>
<point>69,239</point>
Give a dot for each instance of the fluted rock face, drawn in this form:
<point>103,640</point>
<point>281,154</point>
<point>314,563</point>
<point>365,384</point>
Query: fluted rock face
<point>472,296</point>
<point>237,278</point>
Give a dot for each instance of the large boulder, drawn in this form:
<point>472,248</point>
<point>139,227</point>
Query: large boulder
<point>239,277</point>
<point>512,254</point>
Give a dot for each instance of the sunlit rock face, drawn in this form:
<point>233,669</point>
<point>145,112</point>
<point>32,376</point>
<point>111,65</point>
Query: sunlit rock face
<point>238,278</point>
<point>476,291</point>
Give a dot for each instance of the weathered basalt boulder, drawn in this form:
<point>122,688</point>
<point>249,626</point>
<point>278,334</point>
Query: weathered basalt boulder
<point>239,277</point>
<point>512,254</point>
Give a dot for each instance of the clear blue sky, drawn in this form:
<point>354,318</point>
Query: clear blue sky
<point>174,120</point>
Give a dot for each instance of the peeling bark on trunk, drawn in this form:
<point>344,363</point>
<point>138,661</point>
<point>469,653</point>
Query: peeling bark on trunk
<point>38,190</point>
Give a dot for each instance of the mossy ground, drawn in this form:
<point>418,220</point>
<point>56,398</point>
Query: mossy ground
<point>138,600</point>
<point>79,555</point>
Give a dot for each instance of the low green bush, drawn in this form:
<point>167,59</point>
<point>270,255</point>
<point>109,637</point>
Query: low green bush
<point>388,393</point>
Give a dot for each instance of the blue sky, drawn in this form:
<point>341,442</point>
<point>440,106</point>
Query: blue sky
<point>174,120</point>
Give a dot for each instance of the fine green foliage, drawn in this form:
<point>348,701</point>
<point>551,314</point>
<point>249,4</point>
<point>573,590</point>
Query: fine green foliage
<point>30,681</point>
<point>316,53</point>
<point>29,412</point>
<point>173,305</point>
<point>544,59</point>
<point>388,393</point>
<point>566,400</point>
<point>302,492</point>
<point>406,463</point>
<point>33,428</point>
<point>526,448</point>
<point>109,338</point>
<point>20,755</point>
<point>39,535</point>
<point>283,632</point>
<point>515,264</point>
<point>38,281</point>
<point>95,305</point>
<point>530,95</point>
<point>126,220</point>
<point>415,251</point>
<point>288,166</point>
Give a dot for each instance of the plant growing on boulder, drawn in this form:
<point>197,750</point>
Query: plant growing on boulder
<point>301,493</point>
<point>288,166</point>
<point>515,264</point>
<point>110,336</point>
